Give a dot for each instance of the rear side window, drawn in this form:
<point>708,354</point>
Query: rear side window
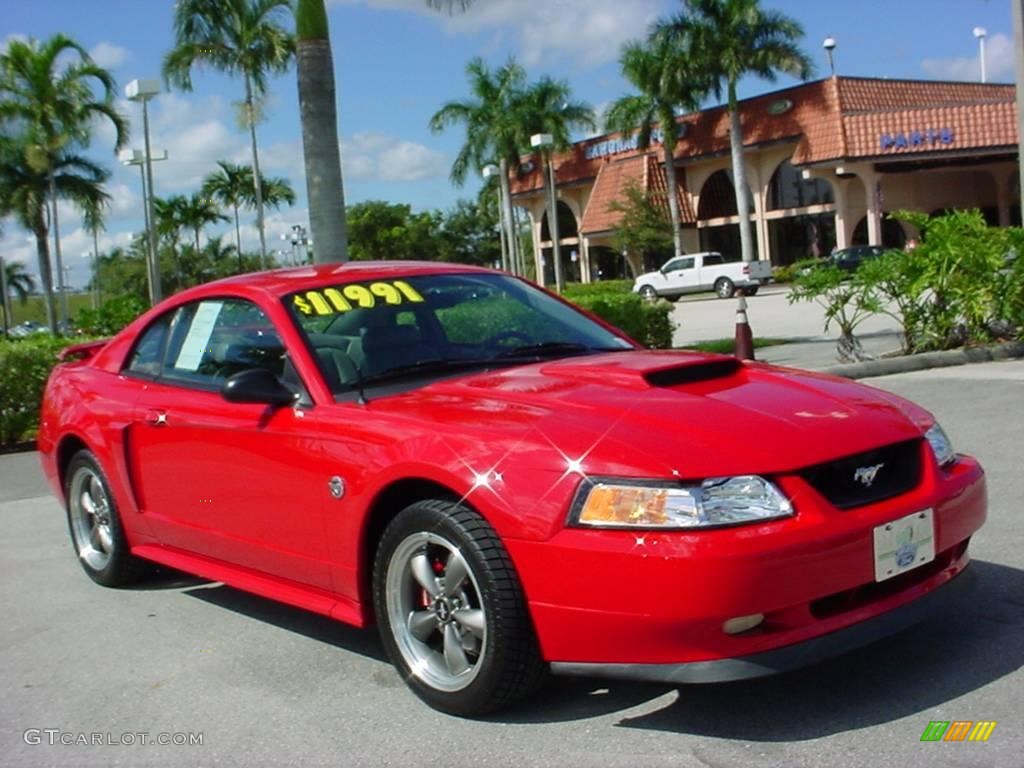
<point>217,338</point>
<point>147,356</point>
<point>712,259</point>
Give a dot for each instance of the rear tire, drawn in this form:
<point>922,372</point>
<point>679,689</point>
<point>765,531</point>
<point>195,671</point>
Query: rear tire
<point>451,611</point>
<point>751,290</point>
<point>95,524</point>
<point>724,287</point>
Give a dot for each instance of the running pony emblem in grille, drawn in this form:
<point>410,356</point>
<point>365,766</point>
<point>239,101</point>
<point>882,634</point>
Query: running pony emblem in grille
<point>867,475</point>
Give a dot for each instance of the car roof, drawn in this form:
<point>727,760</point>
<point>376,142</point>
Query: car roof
<point>279,282</point>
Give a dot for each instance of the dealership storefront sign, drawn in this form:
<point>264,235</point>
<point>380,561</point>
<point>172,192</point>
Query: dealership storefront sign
<point>625,144</point>
<point>929,137</point>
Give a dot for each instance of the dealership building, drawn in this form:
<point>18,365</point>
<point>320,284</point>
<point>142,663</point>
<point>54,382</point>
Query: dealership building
<point>826,162</point>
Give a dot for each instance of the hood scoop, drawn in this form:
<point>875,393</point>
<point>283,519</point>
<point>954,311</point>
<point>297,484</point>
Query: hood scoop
<point>691,373</point>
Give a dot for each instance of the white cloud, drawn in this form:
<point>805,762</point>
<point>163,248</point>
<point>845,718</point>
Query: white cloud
<point>589,32</point>
<point>378,157</point>
<point>999,63</point>
<point>108,55</point>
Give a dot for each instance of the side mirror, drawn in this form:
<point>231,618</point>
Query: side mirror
<point>257,385</point>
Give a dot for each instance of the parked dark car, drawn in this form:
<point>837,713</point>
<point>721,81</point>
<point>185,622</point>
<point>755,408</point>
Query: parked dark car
<point>848,259</point>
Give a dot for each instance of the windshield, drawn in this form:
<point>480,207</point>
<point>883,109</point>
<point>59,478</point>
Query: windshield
<point>419,328</point>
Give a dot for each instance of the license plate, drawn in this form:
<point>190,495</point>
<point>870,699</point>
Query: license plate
<point>904,544</point>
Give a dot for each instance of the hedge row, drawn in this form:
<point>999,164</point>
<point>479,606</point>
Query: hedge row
<point>615,303</point>
<point>24,368</point>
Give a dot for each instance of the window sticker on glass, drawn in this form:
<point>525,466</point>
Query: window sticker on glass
<point>333,301</point>
<point>198,338</point>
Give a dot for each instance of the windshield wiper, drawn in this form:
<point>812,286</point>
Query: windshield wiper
<point>426,366</point>
<point>552,348</point>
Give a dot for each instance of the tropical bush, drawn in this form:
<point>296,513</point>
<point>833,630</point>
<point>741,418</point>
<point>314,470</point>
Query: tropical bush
<point>960,285</point>
<point>646,322</point>
<point>599,288</point>
<point>24,367</point>
<point>113,315</point>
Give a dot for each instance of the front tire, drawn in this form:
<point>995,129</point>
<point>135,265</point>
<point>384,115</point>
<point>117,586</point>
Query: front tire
<point>95,524</point>
<point>451,611</point>
<point>648,293</point>
<point>724,287</point>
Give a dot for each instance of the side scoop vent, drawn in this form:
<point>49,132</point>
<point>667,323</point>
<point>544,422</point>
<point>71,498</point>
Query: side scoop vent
<point>694,372</point>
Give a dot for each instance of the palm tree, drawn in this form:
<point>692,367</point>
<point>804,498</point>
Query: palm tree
<point>665,84</point>
<point>237,37</point>
<point>93,220</point>
<point>25,187</point>
<point>234,185</point>
<point>228,186</point>
<point>170,220</point>
<point>48,98</point>
<point>494,128</point>
<point>199,212</point>
<point>729,39</point>
<point>19,281</point>
<point>318,110</point>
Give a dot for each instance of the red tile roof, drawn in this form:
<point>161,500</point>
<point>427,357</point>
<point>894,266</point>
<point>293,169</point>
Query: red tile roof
<point>613,177</point>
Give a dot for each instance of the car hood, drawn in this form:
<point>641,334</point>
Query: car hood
<point>666,413</point>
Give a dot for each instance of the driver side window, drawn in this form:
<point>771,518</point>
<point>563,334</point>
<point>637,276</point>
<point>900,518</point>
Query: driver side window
<point>214,339</point>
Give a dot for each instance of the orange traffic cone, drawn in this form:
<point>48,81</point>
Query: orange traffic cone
<point>744,347</point>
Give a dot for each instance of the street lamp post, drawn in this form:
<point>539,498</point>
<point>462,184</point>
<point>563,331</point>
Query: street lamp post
<point>980,33</point>
<point>544,142</point>
<point>298,237</point>
<point>139,157</point>
<point>144,90</point>
<point>830,45</point>
<point>491,171</point>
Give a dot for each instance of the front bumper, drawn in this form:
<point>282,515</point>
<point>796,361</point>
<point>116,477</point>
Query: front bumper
<point>624,599</point>
<point>788,657</point>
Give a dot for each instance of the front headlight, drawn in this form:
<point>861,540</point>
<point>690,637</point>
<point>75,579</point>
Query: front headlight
<point>941,445</point>
<point>718,501</point>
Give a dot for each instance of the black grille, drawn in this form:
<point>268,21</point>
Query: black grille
<point>868,477</point>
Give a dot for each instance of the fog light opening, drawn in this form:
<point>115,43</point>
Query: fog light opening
<point>742,624</point>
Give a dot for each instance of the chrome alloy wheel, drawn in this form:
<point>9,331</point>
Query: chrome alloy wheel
<point>90,518</point>
<point>436,612</point>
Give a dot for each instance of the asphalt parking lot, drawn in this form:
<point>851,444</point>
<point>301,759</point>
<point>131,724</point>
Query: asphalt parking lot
<point>268,685</point>
<point>703,317</point>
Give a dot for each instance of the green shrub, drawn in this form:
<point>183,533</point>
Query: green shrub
<point>24,367</point>
<point>847,300</point>
<point>646,322</point>
<point>113,315</point>
<point>789,273</point>
<point>600,288</point>
<point>959,286</point>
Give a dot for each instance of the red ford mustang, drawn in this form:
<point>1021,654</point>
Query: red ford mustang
<point>503,484</point>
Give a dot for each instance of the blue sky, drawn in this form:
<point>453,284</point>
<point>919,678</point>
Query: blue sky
<point>397,62</point>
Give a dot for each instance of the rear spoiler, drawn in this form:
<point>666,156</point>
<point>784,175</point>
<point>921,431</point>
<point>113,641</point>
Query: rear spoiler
<point>81,352</point>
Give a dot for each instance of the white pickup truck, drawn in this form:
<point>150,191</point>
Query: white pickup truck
<point>707,271</point>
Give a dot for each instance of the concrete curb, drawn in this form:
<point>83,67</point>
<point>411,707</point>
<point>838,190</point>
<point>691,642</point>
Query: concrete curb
<point>926,360</point>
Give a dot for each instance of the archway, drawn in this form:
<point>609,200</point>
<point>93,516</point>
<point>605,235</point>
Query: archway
<point>568,229</point>
<point>789,189</point>
<point>893,234</point>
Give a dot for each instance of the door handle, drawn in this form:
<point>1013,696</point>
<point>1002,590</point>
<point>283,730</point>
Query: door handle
<point>156,418</point>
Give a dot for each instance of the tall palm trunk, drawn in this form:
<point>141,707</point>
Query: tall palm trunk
<point>506,202</point>
<point>319,113</point>
<point>250,112</point>
<point>739,175</point>
<point>95,267</point>
<point>197,231</point>
<point>673,201</point>
<point>45,273</point>
<point>238,236</point>
<point>58,256</point>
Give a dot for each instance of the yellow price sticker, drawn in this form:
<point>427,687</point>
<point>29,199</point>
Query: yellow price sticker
<point>334,301</point>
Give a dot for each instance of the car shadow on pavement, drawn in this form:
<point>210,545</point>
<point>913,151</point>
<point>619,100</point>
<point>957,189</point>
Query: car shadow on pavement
<point>976,641</point>
<point>365,642</point>
<point>973,643</point>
